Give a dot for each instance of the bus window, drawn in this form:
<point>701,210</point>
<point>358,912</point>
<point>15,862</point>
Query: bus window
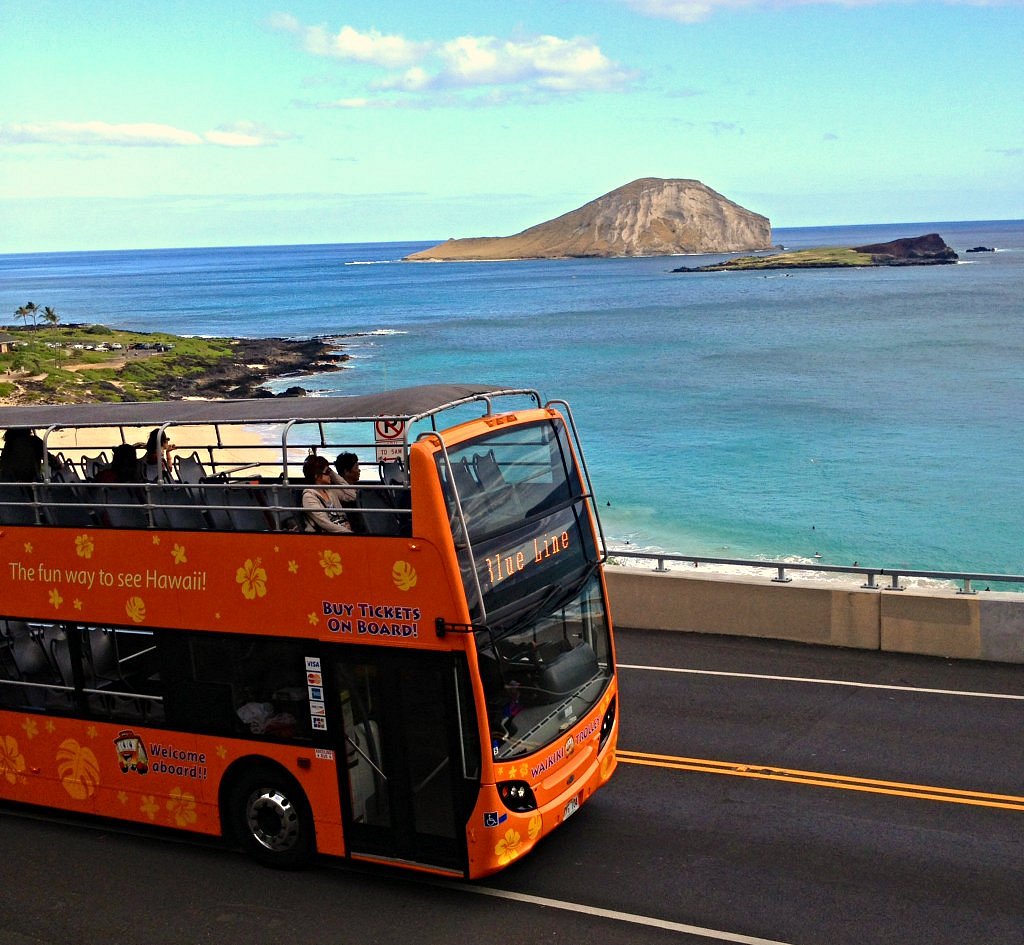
<point>35,670</point>
<point>506,478</point>
<point>242,686</point>
<point>122,674</point>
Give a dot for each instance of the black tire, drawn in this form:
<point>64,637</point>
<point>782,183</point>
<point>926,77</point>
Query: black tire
<point>271,818</point>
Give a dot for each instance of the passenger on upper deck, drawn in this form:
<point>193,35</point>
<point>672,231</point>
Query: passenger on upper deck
<point>156,464</point>
<point>21,459</point>
<point>322,505</point>
<point>347,465</point>
<point>124,466</point>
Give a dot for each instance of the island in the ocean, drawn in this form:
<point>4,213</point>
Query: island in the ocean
<point>89,363</point>
<point>929,250</point>
<point>649,217</point>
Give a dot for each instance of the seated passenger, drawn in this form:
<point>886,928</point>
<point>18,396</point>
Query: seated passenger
<point>324,512</point>
<point>21,459</point>
<point>347,465</point>
<point>124,466</point>
<point>156,464</point>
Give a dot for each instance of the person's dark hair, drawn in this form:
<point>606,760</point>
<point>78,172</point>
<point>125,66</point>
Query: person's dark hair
<point>154,444</point>
<point>125,462</point>
<point>345,462</point>
<point>313,467</point>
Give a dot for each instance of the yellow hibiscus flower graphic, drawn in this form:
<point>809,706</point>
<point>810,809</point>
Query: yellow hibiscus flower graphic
<point>507,848</point>
<point>30,727</point>
<point>178,553</point>
<point>253,579</point>
<point>182,807</point>
<point>55,599</point>
<point>12,762</point>
<point>330,561</point>
<point>149,806</point>
<point>534,827</point>
<point>84,546</point>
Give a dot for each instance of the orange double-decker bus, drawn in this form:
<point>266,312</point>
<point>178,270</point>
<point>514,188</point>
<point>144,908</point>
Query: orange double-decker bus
<point>431,684</point>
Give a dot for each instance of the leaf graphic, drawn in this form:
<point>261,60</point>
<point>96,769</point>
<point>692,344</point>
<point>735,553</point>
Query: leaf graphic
<point>404,575</point>
<point>78,769</point>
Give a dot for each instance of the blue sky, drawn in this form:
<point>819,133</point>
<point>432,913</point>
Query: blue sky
<point>201,123</point>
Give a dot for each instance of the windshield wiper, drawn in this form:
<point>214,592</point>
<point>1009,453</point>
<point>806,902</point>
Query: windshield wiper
<point>553,599</point>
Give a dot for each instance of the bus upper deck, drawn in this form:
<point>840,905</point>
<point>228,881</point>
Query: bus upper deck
<point>238,464</point>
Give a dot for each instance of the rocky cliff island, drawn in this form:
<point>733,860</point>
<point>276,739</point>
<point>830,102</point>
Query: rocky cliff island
<point>929,250</point>
<point>649,217</point>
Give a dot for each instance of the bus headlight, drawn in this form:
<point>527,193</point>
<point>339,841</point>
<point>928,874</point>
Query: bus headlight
<point>607,724</point>
<point>517,796</point>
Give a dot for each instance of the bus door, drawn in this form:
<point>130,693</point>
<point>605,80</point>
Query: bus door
<point>410,758</point>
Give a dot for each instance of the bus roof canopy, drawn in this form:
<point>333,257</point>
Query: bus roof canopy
<point>409,403</point>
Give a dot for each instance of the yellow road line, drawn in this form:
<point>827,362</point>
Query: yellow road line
<point>822,779</point>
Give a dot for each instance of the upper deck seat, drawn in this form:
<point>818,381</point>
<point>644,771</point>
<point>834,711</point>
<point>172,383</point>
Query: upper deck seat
<point>122,507</point>
<point>176,507</point>
<point>189,469</point>
<point>378,514</point>
<point>247,512</point>
<point>15,507</point>
<point>91,465</point>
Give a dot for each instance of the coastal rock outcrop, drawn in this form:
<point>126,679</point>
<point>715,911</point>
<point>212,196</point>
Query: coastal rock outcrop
<point>649,217</point>
<point>929,250</point>
<point>912,251</point>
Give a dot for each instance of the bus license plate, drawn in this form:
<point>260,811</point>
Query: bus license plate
<point>571,807</point>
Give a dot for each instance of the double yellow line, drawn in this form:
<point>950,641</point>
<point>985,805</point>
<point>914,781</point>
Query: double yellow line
<point>819,779</point>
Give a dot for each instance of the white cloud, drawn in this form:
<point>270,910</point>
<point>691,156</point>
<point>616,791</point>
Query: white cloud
<point>137,135</point>
<point>542,64</point>
<point>142,135</point>
<point>372,46</point>
<point>693,11</point>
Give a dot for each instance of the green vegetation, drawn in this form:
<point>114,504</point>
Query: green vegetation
<point>75,363</point>
<point>829,256</point>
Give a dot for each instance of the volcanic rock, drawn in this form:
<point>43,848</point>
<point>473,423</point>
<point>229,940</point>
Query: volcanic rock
<point>649,217</point>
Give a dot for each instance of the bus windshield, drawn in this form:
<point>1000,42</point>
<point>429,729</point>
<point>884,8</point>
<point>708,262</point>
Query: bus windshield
<point>529,560</point>
<point>543,674</point>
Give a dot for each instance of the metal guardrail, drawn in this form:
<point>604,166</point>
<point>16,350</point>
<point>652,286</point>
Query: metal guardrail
<point>966,579</point>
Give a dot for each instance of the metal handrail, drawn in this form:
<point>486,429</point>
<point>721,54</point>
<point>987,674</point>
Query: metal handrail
<point>966,578</point>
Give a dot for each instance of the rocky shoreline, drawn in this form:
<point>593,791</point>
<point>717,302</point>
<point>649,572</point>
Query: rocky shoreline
<point>256,361</point>
<point>91,363</point>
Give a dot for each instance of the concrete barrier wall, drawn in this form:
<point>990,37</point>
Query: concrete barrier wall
<point>986,626</point>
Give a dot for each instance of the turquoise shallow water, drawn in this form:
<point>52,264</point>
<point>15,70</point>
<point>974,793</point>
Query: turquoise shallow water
<point>864,416</point>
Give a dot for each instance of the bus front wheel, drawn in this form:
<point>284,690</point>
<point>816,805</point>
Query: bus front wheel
<point>271,817</point>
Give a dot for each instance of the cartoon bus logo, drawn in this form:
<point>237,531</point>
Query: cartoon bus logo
<point>131,753</point>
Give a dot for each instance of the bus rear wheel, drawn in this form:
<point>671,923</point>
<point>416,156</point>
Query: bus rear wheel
<point>271,817</point>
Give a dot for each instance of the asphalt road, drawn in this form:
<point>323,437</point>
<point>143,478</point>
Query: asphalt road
<point>880,802</point>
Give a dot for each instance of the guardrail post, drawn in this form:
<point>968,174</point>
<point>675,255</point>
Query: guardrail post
<point>895,585</point>
<point>870,584</point>
<point>661,565</point>
<point>781,578</point>
<point>967,589</point>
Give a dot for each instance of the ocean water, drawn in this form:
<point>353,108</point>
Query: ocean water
<point>870,416</point>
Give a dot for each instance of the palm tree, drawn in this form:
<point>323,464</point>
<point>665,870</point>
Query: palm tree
<point>52,319</point>
<point>27,310</point>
